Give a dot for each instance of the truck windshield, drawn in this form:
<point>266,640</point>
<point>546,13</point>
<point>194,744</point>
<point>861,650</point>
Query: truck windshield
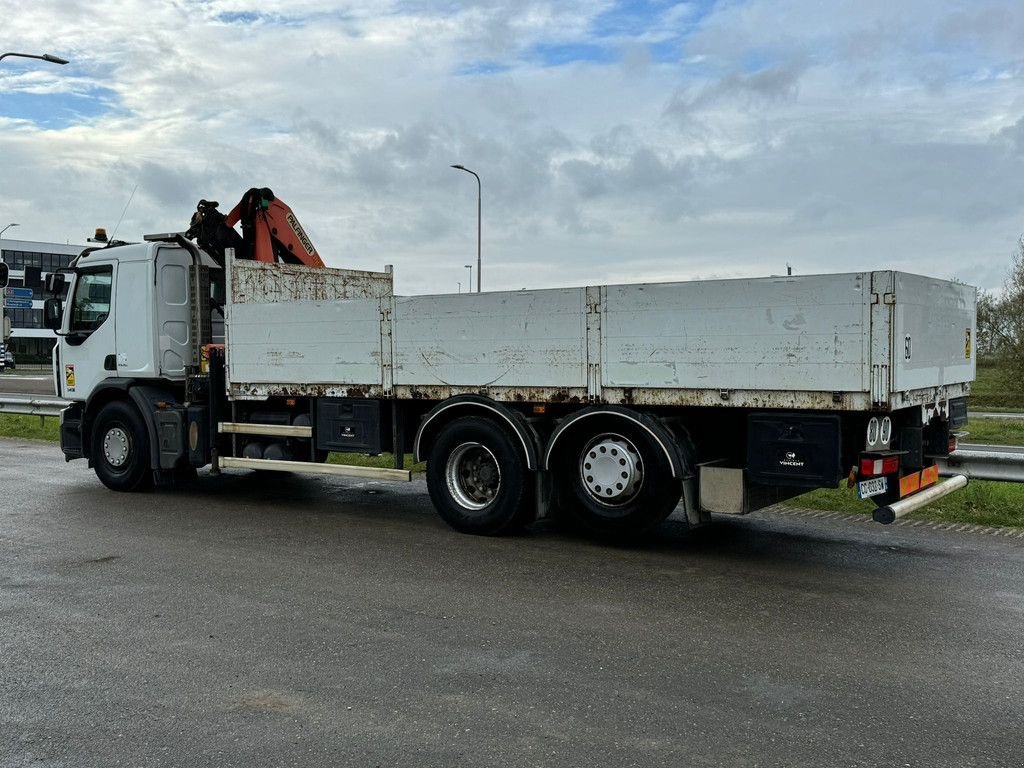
<point>91,304</point>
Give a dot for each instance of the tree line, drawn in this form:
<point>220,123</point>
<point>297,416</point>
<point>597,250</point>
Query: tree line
<point>1001,317</point>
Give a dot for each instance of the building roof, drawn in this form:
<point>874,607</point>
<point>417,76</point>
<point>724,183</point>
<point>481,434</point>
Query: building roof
<point>68,249</point>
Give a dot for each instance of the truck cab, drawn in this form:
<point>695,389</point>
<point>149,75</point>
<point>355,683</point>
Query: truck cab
<point>129,332</point>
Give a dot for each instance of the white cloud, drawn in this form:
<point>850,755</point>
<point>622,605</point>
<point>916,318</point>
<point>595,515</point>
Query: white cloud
<point>839,136</point>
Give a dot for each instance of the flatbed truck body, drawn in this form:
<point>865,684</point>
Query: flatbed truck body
<point>612,402</point>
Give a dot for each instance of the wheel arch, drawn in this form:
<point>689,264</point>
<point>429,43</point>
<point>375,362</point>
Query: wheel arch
<point>661,434</point>
<point>108,391</point>
<point>475,405</point>
<point>140,393</point>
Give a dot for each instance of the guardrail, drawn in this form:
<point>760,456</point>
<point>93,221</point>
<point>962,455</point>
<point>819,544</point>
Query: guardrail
<point>33,405</point>
<point>985,462</point>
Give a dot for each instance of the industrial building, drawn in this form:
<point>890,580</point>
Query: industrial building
<point>29,261</point>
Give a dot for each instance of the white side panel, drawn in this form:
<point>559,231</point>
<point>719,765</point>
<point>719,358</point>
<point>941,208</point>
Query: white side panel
<point>514,339</point>
<point>305,342</point>
<point>173,312</point>
<point>935,333</point>
<point>788,333</point>
<point>254,282</point>
<point>133,325</point>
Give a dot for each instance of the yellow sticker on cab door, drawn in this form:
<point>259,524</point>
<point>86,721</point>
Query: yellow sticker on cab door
<point>69,376</point>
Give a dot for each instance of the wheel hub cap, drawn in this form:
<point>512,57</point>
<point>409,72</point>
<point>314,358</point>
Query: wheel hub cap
<point>115,446</point>
<point>611,469</point>
<point>472,475</point>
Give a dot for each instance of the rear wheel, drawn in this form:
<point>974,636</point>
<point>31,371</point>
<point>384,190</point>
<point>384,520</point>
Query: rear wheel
<point>478,479</point>
<point>120,448</point>
<point>619,482</point>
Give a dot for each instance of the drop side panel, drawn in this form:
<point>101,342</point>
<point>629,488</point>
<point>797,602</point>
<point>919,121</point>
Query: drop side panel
<point>786,333</point>
<point>935,333</point>
<point>513,339</point>
<point>294,330</point>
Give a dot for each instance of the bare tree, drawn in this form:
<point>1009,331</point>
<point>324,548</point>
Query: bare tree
<point>1001,319</point>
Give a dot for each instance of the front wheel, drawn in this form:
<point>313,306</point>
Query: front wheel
<point>120,448</point>
<point>477,478</point>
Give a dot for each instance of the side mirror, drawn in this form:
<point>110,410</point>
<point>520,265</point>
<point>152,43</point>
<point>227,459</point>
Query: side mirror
<point>55,283</point>
<point>52,313</point>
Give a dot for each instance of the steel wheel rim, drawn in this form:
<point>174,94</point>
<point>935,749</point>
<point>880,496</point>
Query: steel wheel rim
<point>117,446</point>
<point>611,470</point>
<point>472,475</point>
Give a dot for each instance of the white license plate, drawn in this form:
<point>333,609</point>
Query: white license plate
<point>872,487</point>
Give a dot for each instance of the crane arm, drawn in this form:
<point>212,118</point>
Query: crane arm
<point>270,230</point>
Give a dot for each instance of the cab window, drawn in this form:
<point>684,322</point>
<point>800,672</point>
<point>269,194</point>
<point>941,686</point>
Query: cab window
<point>91,304</point>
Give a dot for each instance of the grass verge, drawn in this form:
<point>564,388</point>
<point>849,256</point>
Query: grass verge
<point>982,502</point>
<point>29,427</point>
<point>996,387</point>
<point>995,431</point>
<point>384,461</point>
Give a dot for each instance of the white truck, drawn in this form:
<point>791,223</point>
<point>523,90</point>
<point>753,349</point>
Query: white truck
<point>606,404</point>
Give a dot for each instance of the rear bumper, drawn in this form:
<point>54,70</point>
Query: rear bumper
<point>898,509</point>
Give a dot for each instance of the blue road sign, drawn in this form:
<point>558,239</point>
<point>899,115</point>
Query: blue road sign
<point>18,303</point>
<point>18,293</point>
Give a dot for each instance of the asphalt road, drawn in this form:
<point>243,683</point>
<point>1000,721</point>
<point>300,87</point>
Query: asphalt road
<point>27,383</point>
<point>277,621</point>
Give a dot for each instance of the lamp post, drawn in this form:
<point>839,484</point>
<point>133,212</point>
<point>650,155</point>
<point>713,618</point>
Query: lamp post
<point>45,57</point>
<point>12,224</point>
<point>479,265</point>
<point>470,283</point>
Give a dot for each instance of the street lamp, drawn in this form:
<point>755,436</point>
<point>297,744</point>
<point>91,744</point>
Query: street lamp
<point>45,57</point>
<point>479,269</point>
<point>8,227</point>
<point>470,283</point>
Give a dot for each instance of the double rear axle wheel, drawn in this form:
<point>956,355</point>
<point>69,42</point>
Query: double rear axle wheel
<point>615,482</point>
<point>619,482</point>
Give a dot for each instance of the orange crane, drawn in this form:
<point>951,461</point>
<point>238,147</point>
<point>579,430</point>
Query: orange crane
<point>270,231</point>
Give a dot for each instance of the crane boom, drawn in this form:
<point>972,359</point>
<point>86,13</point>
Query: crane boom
<point>270,230</point>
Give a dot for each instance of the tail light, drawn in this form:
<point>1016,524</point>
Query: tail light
<point>873,467</point>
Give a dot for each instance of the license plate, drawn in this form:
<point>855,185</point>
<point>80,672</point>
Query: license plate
<point>872,487</point>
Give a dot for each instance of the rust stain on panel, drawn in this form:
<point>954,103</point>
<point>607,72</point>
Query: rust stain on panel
<point>254,282</point>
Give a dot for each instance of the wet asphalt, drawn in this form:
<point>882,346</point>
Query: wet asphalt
<point>19,383</point>
<point>261,620</point>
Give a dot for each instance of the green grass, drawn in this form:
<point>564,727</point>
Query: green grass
<point>384,460</point>
<point>29,427</point>
<point>996,388</point>
<point>995,431</point>
<point>982,502</point>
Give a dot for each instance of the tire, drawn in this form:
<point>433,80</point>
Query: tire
<point>617,482</point>
<point>120,448</point>
<point>478,480</point>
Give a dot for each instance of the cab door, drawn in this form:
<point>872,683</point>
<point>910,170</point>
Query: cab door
<point>88,349</point>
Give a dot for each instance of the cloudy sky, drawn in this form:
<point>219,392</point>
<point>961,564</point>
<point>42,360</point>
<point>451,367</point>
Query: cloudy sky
<point>617,141</point>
